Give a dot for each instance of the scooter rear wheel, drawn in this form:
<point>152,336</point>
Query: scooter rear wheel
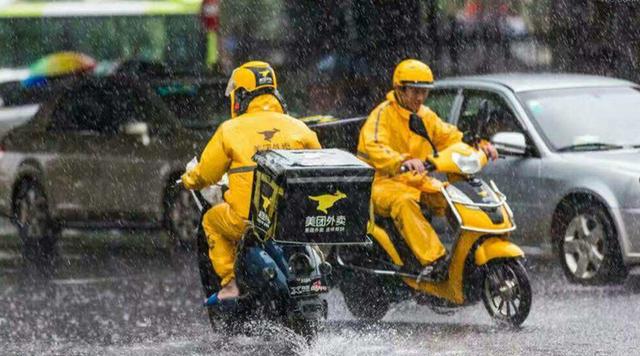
<point>506,292</point>
<point>304,327</point>
<point>364,295</point>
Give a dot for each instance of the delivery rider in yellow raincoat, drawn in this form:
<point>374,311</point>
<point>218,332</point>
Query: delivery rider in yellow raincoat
<point>387,143</point>
<point>259,123</point>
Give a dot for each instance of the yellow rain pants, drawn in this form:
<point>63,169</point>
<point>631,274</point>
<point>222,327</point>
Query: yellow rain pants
<point>224,228</point>
<point>402,204</point>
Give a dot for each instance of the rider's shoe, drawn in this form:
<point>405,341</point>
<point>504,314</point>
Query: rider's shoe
<point>212,300</point>
<point>230,292</point>
<point>434,272</point>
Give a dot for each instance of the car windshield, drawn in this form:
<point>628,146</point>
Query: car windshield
<point>587,119</point>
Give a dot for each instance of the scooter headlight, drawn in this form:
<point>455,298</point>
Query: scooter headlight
<point>467,164</point>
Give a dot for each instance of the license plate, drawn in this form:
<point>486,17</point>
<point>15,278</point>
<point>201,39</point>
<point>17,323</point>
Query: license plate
<point>305,287</point>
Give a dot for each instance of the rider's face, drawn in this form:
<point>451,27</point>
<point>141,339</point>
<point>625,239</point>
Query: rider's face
<point>412,97</point>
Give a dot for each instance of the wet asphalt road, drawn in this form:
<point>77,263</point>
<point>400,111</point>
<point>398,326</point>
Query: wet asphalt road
<point>113,294</point>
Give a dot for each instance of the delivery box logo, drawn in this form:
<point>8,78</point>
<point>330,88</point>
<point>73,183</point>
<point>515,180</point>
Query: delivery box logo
<point>265,203</point>
<point>326,201</point>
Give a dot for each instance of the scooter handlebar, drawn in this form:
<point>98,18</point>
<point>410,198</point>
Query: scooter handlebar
<point>430,167</point>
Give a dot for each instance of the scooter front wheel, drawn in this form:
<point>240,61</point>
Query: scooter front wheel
<point>506,292</point>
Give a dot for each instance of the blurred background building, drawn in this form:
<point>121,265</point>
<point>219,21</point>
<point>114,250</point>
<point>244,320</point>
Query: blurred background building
<point>344,51</point>
<point>334,57</point>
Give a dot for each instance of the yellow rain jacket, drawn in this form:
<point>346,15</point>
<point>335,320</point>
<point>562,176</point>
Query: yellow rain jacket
<point>263,126</point>
<point>385,142</point>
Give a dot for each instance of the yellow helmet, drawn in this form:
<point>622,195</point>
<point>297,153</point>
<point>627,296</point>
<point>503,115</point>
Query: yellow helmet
<point>412,73</point>
<point>248,81</point>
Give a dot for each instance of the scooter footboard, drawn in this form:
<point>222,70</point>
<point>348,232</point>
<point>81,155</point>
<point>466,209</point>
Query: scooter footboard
<point>496,247</point>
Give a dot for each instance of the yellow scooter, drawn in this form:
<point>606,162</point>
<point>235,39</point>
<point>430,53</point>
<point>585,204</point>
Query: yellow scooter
<point>483,263</point>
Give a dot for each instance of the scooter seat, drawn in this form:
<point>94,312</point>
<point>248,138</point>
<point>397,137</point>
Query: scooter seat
<point>411,264</point>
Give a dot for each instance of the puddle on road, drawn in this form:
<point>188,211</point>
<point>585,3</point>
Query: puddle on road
<point>114,295</point>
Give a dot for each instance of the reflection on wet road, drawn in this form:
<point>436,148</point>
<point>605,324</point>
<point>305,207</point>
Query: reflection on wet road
<point>123,294</point>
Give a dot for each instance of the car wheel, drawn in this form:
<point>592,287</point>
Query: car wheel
<point>37,230</point>
<point>588,245</point>
<point>182,218</point>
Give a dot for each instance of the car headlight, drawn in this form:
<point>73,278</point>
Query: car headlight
<point>467,164</point>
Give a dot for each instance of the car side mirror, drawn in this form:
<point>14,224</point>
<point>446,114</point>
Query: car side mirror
<point>138,129</point>
<point>510,143</point>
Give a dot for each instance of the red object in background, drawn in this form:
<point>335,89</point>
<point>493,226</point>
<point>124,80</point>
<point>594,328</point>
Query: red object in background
<point>472,9</point>
<point>210,14</point>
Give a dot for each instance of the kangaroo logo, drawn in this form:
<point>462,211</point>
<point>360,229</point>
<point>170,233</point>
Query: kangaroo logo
<point>268,134</point>
<point>265,203</point>
<point>263,77</point>
<point>326,201</point>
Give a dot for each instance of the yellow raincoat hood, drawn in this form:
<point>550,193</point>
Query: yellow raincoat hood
<point>266,102</point>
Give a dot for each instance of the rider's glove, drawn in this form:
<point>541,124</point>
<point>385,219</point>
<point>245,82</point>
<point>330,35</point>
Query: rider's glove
<point>191,164</point>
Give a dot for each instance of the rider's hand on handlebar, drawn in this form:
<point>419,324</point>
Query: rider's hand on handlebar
<point>414,165</point>
<point>489,150</point>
